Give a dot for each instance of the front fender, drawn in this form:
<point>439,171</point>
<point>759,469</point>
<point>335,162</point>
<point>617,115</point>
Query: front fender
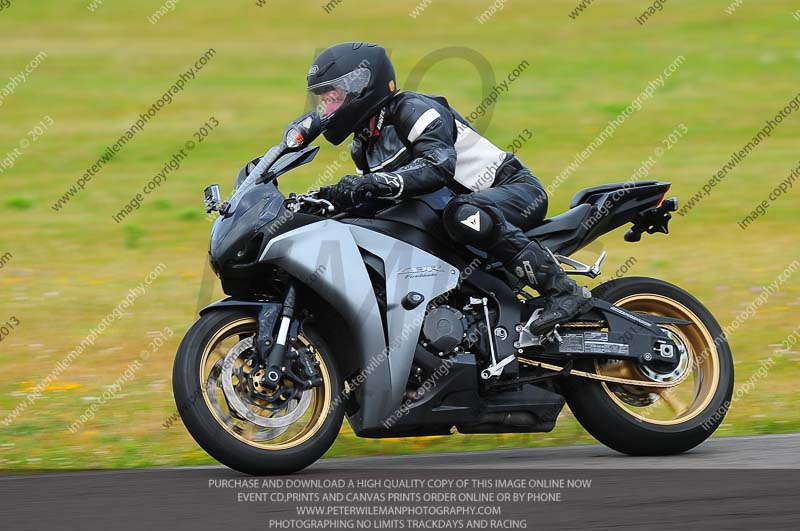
<point>230,302</point>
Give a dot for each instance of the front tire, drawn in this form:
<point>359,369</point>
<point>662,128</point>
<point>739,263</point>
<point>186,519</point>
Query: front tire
<point>214,342</point>
<point>645,421</point>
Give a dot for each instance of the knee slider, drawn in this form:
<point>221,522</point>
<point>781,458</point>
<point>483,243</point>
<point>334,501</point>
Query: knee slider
<point>469,224</point>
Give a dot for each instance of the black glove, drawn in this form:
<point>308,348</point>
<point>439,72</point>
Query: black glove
<point>353,190</point>
<point>326,193</point>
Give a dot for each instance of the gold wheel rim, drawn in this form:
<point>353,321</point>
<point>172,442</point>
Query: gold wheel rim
<point>704,360</point>
<point>320,402</point>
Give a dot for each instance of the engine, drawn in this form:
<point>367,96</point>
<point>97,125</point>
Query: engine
<point>446,330</point>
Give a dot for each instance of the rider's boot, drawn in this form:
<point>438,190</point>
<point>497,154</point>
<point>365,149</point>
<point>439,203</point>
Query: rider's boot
<point>564,297</point>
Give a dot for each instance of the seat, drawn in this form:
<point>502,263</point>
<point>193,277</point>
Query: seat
<point>569,221</point>
<point>564,233</point>
<point>584,195</point>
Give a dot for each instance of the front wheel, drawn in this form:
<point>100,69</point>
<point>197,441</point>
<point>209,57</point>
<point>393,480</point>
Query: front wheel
<point>647,420</point>
<point>216,382</point>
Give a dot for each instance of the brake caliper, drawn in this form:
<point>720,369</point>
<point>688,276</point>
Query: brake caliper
<point>310,365</point>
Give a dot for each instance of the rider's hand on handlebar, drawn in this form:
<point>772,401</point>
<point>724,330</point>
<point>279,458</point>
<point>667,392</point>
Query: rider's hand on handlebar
<point>324,192</point>
<point>343,193</point>
<point>354,190</point>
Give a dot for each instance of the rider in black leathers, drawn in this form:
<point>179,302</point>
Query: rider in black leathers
<point>408,144</point>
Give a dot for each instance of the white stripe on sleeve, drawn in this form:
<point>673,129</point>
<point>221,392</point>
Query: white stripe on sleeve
<point>423,122</point>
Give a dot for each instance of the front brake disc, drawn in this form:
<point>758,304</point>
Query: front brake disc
<point>236,404</point>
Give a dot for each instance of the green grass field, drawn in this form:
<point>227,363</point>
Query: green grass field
<point>63,272</point>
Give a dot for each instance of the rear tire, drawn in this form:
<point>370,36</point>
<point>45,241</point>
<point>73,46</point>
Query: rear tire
<point>236,442</point>
<point>611,412</point>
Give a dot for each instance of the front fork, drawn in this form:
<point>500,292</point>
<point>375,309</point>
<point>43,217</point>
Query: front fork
<point>275,361</point>
<point>278,351</point>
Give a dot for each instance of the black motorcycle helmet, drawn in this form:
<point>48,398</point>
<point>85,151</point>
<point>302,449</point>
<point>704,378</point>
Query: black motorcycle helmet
<point>348,83</point>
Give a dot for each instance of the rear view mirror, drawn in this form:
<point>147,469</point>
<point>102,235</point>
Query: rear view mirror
<point>303,131</point>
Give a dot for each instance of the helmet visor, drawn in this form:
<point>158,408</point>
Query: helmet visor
<point>329,96</point>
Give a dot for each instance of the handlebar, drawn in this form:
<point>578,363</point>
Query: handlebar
<point>319,202</point>
<point>322,206</point>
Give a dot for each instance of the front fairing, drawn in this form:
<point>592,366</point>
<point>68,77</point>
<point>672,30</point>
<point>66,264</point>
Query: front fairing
<point>235,236</point>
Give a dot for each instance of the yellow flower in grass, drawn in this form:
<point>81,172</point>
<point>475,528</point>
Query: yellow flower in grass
<point>54,387</point>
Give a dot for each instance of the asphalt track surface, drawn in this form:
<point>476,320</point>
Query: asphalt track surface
<point>726,483</point>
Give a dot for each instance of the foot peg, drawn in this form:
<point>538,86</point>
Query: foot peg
<point>496,368</point>
<point>579,268</point>
<point>529,339</point>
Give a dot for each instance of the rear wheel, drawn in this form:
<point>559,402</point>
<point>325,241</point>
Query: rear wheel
<point>641,420</point>
<point>239,422</point>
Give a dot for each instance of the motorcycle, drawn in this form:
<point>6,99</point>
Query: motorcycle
<point>377,316</point>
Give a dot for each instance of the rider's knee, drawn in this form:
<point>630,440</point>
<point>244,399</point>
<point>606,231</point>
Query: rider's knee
<point>471,224</point>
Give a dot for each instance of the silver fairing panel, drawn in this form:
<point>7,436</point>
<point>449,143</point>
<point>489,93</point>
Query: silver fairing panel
<point>326,256</point>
